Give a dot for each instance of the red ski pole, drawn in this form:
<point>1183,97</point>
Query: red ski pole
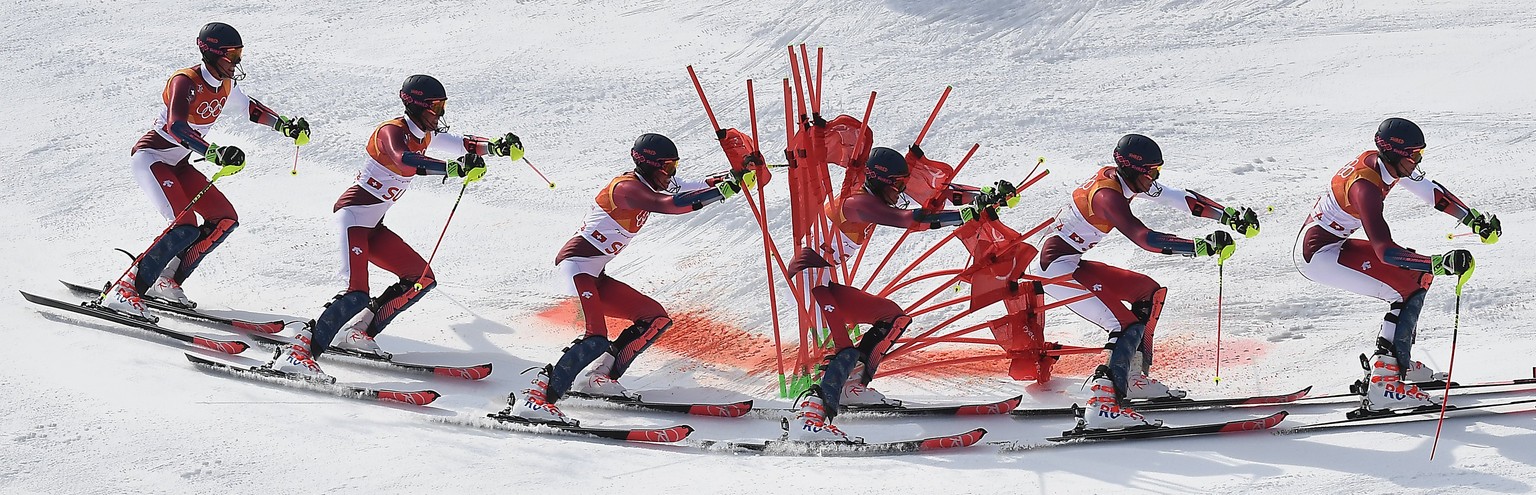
<point>1455,329</point>
<point>440,236</point>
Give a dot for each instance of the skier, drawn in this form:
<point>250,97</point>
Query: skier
<point>1377,266</point>
<point>621,208</point>
<point>193,100</point>
<point>396,155</point>
<point>1126,303</point>
<point>854,217</point>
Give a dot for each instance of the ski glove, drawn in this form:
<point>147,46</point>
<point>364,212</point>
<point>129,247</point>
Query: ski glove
<point>471,167</point>
<point>509,146</point>
<point>1486,226</point>
<point>1453,262</point>
<point>296,129</point>
<point>1244,220</point>
<point>1001,194</point>
<point>728,187</point>
<point>1218,244</point>
<point>978,211</point>
<point>230,158</point>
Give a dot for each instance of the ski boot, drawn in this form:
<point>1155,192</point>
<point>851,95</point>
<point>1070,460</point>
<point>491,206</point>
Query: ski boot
<point>122,298</point>
<point>1144,387</point>
<point>1105,412</point>
<point>1385,391</point>
<point>810,423</point>
<point>295,360</point>
<point>356,339</point>
<point>534,406</point>
<point>860,395</point>
<point>599,382</point>
<point>166,289</point>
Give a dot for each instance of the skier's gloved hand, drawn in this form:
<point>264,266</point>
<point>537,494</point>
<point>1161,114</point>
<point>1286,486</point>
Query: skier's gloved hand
<point>1453,262</point>
<point>1218,244</point>
<point>978,211</point>
<point>1486,225</point>
<point>1001,194</point>
<point>470,166</point>
<point>729,186</point>
<point>1244,220</point>
<point>753,163</point>
<point>229,158</point>
<point>509,146</point>
<point>295,129</point>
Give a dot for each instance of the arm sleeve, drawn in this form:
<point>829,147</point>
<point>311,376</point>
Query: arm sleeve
<point>456,145</point>
<point>1368,198</point>
<point>176,117</point>
<point>695,184</point>
<point>1117,210</point>
<point>259,113</point>
<point>633,195</point>
<point>867,209</point>
<point>1194,203</point>
<point>1436,195</point>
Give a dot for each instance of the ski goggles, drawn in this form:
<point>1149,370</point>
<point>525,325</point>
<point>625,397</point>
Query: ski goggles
<point>438,107</point>
<point>670,166</point>
<point>233,54</point>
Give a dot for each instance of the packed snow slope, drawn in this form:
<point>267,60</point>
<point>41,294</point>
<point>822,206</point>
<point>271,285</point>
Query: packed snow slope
<point>1255,103</point>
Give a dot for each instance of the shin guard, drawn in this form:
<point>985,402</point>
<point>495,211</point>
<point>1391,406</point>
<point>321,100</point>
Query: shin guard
<point>209,237</point>
<point>834,373</point>
<point>1147,313</point>
<point>577,357</point>
<point>1407,329</point>
<point>394,299</point>
<point>154,260</point>
<point>878,341</point>
<point>633,341</point>
<point>1121,346</point>
<point>337,313</point>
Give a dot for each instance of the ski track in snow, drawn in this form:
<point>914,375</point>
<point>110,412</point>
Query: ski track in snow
<point>1254,102</point>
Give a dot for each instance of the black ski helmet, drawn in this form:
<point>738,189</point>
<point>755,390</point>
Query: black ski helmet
<point>217,38</point>
<point>886,167</point>
<point>1397,138</point>
<point>1137,153</point>
<point>420,90</point>
<point>652,151</point>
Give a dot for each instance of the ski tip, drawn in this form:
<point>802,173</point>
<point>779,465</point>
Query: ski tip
<point>966,439</point>
<point>416,398</point>
<point>1001,407</point>
<point>722,410</point>
<point>224,346</point>
<point>467,372</point>
<point>662,435</point>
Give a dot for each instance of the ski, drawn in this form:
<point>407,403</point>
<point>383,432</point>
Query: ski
<point>966,409</point>
<point>413,397</point>
<point>1457,389</point>
<point>88,309</point>
<point>1181,404</point>
<point>830,448</point>
<point>637,434</point>
<point>162,305</point>
<point>1414,415</point>
<point>471,372</point>
<point>727,410</point>
<point>1240,425</point>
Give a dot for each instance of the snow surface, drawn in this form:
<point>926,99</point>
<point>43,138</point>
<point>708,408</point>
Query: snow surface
<point>1254,103</point>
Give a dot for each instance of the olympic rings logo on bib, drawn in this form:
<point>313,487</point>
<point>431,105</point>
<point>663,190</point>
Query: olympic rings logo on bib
<point>210,109</point>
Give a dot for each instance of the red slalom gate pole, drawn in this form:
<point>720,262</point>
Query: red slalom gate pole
<point>932,116</point>
<point>707,111</point>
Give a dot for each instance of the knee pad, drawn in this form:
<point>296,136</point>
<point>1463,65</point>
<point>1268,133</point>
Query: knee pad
<point>577,357</point>
<point>338,312</point>
<point>396,298</point>
<point>170,245</point>
<point>834,373</point>
<point>877,342</point>
<point>209,237</point>
<point>635,340</point>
